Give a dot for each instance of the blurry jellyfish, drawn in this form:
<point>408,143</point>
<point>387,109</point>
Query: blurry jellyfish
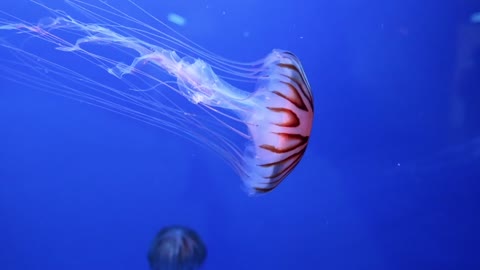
<point>176,19</point>
<point>177,248</point>
<point>262,134</point>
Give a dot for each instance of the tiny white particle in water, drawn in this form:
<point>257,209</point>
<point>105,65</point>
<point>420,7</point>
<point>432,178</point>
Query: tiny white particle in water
<point>176,19</point>
<point>246,34</point>
<point>224,12</point>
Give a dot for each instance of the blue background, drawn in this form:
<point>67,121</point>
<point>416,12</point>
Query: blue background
<point>389,181</point>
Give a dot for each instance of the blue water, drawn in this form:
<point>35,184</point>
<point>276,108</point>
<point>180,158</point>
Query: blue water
<point>389,180</point>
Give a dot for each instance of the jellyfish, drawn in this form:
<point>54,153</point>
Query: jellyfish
<point>176,248</point>
<point>256,116</point>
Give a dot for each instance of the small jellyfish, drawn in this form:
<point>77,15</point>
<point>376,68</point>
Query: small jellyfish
<point>177,248</point>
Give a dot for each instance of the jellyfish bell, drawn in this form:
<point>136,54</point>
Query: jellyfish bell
<point>176,248</point>
<point>274,119</point>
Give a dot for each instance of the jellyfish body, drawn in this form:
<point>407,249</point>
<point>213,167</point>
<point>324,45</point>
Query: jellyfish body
<point>281,122</point>
<point>176,248</point>
<point>277,115</point>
